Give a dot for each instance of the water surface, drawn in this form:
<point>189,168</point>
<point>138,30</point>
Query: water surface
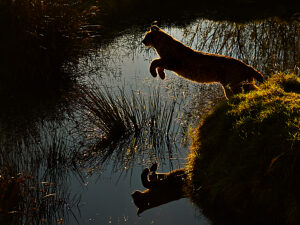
<point>55,149</point>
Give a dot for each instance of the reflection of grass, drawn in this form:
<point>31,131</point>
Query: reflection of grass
<point>126,125</point>
<point>249,42</point>
<point>24,200</point>
<point>33,177</point>
<point>245,155</point>
<point>10,192</point>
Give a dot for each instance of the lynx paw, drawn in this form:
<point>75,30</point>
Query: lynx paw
<point>161,73</point>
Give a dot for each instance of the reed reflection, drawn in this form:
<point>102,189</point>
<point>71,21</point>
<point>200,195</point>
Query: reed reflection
<point>269,45</point>
<point>125,127</point>
<point>34,178</point>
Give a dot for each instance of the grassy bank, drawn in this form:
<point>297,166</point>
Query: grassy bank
<point>245,156</point>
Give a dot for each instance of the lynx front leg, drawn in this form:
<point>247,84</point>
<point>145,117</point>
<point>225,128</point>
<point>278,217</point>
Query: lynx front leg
<point>157,64</point>
<point>161,73</point>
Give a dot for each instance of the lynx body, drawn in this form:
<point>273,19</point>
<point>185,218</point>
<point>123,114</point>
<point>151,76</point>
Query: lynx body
<point>234,75</point>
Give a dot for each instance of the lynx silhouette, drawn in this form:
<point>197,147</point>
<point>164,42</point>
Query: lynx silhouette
<point>234,75</point>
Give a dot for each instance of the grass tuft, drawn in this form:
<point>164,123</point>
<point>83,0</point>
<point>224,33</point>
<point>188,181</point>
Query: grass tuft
<point>126,126</point>
<point>245,156</point>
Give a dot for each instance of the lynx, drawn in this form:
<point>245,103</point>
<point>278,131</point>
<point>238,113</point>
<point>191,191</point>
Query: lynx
<point>234,75</point>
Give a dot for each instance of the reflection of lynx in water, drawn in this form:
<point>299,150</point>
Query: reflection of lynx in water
<point>161,188</point>
<point>235,75</point>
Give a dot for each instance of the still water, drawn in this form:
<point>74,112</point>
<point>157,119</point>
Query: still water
<point>106,195</point>
<point>124,63</point>
<point>78,178</point>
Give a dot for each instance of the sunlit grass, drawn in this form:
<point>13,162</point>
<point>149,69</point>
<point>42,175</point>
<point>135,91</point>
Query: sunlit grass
<point>245,154</point>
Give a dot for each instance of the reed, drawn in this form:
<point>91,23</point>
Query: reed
<point>126,126</point>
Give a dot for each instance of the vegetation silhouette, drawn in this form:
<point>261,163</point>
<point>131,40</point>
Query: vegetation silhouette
<point>123,126</point>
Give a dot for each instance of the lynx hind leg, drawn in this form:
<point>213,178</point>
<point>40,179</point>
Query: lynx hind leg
<point>161,73</point>
<point>227,91</point>
<point>249,87</point>
<point>231,91</point>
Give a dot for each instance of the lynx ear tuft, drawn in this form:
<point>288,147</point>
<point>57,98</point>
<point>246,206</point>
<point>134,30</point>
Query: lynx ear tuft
<point>154,28</point>
<point>154,23</point>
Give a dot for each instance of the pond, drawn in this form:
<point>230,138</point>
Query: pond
<point>82,161</point>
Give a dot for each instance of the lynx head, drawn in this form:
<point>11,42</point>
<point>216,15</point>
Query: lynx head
<point>140,199</point>
<point>152,35</point>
